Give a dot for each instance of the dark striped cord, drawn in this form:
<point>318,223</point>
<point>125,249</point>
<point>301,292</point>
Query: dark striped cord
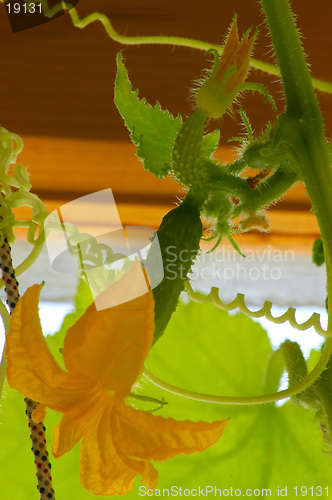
<point>37,431</point>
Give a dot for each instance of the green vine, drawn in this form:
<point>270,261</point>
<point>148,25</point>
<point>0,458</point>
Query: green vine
<point>176,41</point>
<point>295,389</point>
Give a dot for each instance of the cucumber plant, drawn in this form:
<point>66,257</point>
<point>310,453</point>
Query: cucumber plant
<point>293,148</point>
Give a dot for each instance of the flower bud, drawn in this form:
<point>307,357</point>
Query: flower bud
<point>228,74</point>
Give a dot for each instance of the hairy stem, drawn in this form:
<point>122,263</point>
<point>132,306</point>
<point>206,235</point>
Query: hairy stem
<point>301,127</point>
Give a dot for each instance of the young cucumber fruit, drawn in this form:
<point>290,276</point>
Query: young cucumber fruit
<point>178,235</point>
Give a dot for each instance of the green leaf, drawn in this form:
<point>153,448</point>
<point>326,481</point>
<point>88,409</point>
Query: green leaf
<point>207,350</point>
<point>152,129</point>
<point>210,143</point>
<point>265,446</point>
<point>18,474</point>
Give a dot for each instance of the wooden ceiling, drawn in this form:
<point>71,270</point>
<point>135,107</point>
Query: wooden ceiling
<point>56,91</point>
<point>57,80</point>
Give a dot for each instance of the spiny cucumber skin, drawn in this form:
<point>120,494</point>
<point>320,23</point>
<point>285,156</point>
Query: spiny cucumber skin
<point>186,164</point>
<point>179,235</point>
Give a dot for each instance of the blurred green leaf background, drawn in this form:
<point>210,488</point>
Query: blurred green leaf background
<point>205,350</point>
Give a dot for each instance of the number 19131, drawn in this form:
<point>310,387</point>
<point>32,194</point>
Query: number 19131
<point>24,8</point>
<point>313,491</point>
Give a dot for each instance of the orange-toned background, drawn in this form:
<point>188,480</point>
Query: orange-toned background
<point>56,91</point>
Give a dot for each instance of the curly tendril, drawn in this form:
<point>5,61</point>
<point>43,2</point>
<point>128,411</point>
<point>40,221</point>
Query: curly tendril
<point>176,41</point>
<point>15,193</point>
<point>94,259</point>
<point>264,312</point>
<point>291,391</point>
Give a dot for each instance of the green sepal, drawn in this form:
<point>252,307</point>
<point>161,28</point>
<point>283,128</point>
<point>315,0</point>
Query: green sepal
<point>235,246</point>
<point>247,125</point>
<point>273,372</point>
<point>318,252</point>
<point>257,87</point>
<point>210,143</point>
<point>297,370</point>
<point>153,130</point>
<point>216,56</point>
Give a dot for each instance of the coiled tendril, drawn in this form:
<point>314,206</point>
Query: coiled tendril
<point>264,312</point>
<point>15,193</point>
<point>93,257</point>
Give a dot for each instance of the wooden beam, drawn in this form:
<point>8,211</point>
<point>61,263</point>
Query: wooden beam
<point>62,170</point>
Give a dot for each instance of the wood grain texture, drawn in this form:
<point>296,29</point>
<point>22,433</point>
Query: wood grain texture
<point>56,90</point>
<point>57,80</point>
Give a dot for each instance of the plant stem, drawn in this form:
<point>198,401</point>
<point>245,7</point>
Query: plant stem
<point>248,400</point>
<point>301,126</point>
<point>272,70</point>
<point>31,259</point>
<point>138,40</point>
<point>176,41</point>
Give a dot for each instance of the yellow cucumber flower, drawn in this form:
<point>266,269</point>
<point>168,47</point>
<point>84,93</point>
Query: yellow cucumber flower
<point>229,72</point>
<point>103,354</point>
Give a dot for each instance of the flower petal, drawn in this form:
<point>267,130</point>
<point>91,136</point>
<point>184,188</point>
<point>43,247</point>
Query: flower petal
<point>241,59</point>
<point>141,435</point>
<point>101,469</point>
<point>231,45</point>
<point>110,345</point>
<point>30,366</point>
<point>39,413</point>
<point>145,469</point>
<point>75,424</point>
